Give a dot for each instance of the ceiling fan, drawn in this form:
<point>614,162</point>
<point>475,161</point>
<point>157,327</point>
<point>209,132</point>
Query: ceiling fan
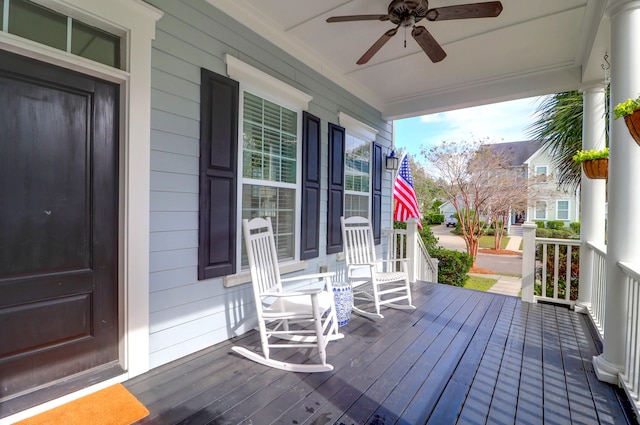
<point>406,13</point>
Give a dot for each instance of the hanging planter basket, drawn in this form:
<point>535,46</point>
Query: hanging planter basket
<point>596,168</point>
<point>633,124</point>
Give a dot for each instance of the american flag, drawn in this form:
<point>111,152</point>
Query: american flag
<point>405,195</point>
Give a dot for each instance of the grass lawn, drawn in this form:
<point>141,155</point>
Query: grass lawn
<point>487,242</point>
<point>479,283</point>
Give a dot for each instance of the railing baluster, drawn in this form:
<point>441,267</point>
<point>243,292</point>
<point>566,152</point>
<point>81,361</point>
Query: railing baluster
<point>630,379</point>
<point>556,270</point>
<point>567,285</point>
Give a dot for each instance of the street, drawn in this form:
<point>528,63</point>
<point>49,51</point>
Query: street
<point>511,264</point>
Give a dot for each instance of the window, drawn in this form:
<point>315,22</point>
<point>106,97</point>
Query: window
<point>541,170</point>
<point>357,167</point>
<point>269,169</point>
<point>540,211</point>
<point>34,22</point>
<point>562,210</point>
<point>269,156</point>
<point>357,176</point>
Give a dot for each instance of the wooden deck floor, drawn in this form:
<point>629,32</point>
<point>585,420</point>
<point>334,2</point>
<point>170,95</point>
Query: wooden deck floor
<point>462,357</point>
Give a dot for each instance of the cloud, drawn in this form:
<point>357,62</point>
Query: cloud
<point>498,122</point>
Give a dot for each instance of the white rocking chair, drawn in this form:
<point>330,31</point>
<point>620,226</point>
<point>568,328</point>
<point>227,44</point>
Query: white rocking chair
<point>305,318</point>
<point>383,282</point>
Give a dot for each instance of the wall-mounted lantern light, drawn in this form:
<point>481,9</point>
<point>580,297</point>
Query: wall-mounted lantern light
<point>392,161</point>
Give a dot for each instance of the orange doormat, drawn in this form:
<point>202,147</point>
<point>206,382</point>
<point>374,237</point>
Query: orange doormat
<point>112,406</point>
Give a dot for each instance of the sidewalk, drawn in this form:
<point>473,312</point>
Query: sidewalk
<point>514,243</point>
<point>505,285</point>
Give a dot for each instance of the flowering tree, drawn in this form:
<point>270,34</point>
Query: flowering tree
<point>482,185</point>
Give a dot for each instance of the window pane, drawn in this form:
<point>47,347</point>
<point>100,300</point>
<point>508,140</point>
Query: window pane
<point>270,141</point>
<point>356,205</point>
<point>357,158</point>
<point>1,13</point>
<point>541,210</point>
<point>541,170</point>
<point>277,203</point>
<point>563,210</point>
<point>37,23</point>
<point>95,44</point>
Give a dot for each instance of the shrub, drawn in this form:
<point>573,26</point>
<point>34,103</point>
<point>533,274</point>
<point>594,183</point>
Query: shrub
<point>543,233</point>
<point>575,226</point>
<point>565,233</point>
<point>540,224</point>
<point>555,224</point>
<point>435,218</point>
<point>453,266</point>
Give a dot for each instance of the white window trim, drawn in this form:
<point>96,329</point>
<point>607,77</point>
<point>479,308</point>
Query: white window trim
<point>568,201</point>
<point>135,21</point>
<point>264,85</point>
<point>357,128</point>
<point>261,84</point>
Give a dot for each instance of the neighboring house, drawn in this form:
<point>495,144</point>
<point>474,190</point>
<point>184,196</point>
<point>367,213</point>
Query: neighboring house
<point>551,203</point>
<point>547,201</point>
<point>447,209</point>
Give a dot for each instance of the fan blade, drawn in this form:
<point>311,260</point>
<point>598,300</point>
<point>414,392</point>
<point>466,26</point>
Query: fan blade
<point>377,46</point>
<point>489,9</point>
<point>351,18</point>
<point>428,44</point>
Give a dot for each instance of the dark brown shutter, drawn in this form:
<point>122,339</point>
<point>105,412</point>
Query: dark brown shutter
<point>336,188</point>
<point>218,175</point>
<point>376,196</point>
<point>310,223</point>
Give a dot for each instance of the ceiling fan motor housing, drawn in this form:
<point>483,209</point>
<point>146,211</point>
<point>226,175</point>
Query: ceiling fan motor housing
<point>401,11</point>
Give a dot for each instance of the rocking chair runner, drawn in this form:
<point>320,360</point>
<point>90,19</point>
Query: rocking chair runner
<point>383,282</point>
<point>305,318</point>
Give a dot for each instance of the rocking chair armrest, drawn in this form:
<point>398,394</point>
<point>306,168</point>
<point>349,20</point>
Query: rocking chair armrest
<point>355,265</point>
<point>315,291</point>
<point>308,276</point>
<point>394,260</point>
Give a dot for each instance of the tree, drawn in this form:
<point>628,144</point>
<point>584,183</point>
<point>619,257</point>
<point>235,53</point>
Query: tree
<point>480,183</point>
<point>559,127</point>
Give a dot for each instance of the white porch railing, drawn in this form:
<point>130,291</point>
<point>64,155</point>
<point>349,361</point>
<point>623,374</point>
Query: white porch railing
<point>550,271</point>
<point>630,379</point>
<point>408,244</point>
<point>598,286</point>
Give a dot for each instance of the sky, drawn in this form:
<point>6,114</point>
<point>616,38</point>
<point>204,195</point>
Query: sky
<point>498,122</point>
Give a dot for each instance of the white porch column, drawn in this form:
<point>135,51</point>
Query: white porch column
<point>624,176</point>
<point>592,191</point>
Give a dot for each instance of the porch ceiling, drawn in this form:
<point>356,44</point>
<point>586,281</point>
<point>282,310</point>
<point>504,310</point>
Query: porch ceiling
<point>532,48</point>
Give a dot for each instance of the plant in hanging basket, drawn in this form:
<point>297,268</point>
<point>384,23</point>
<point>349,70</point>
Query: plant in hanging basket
<point>595,163</point>
<point>630,110</point>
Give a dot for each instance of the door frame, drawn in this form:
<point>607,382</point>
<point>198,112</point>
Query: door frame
<point>135,21</point>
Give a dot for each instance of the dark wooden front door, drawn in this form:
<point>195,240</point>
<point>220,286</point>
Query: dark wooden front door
<point>58,225</point>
